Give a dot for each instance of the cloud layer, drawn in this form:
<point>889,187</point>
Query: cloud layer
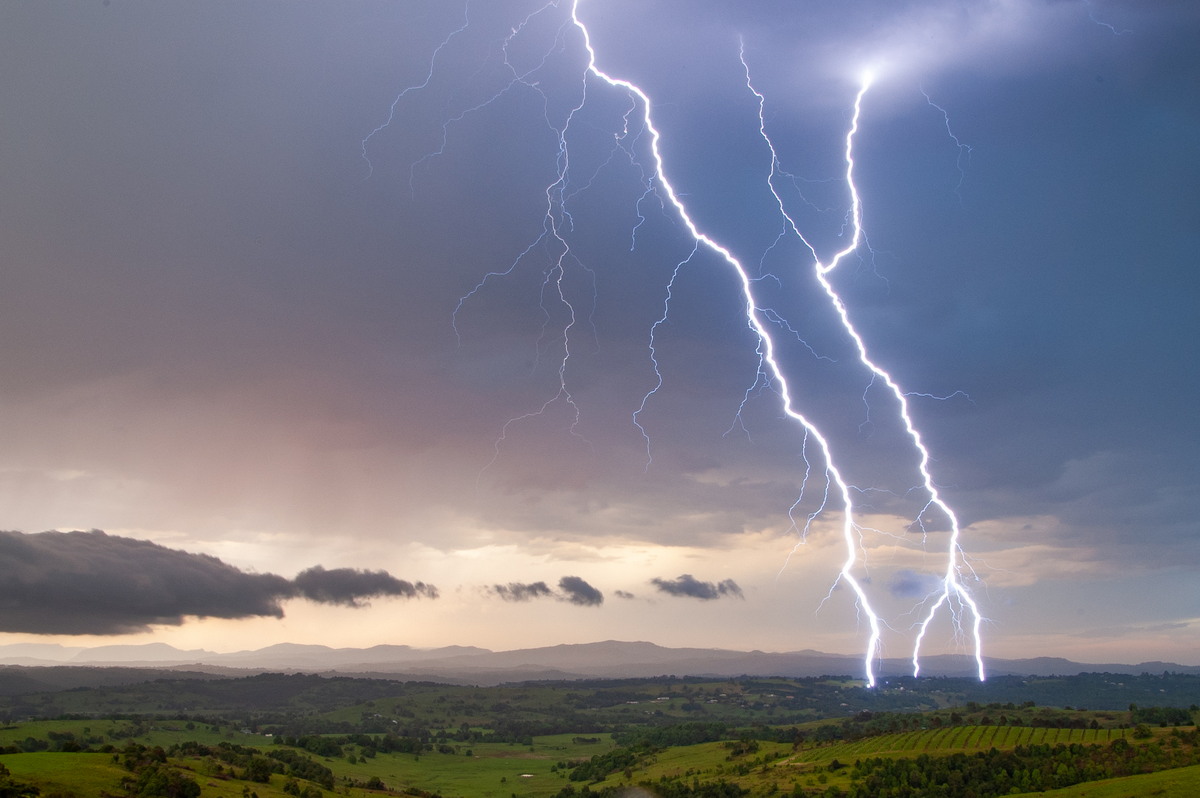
<point>348,586</point>
<point>95,583</point>
<point>688,586</point>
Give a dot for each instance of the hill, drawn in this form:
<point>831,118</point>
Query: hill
<point>609,659</point>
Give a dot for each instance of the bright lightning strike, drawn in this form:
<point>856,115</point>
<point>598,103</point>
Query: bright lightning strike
<point>758,321</point>
<point>952,587</point>
<point>839,494</point>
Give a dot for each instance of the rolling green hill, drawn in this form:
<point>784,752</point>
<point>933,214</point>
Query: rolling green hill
<point>311,736</point>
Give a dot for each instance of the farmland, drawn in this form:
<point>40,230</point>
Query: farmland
<point>303,735</point>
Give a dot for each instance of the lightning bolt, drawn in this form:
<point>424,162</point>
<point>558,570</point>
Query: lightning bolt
<point>1107,25</point>
<point>964,150</point>
<point>391,117</point>
<point>951,586</point>
<point>758,321</point>
<point>838,493</point>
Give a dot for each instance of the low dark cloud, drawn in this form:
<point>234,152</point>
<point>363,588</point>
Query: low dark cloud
<point>624,594</point>
<point>517,591</point>
<point>572,589</point>
<point>691,587</point>
<point>348,586</point>
<point>95,583</point>
<point>575,590</point>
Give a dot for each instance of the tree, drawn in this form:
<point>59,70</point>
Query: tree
<point>258,769</point>
<point>157,781</point>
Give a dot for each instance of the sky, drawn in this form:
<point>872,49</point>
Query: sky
<point>376,323</point>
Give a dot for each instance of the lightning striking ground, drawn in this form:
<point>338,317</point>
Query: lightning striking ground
<point>952,587</point>
<point>758,322</point>
<point>838,494</point>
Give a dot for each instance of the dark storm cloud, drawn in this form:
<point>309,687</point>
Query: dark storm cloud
<point>572,589</point>
<point>577,591</point>
<point>95,583</point>
<point>265,157</point>
<point>348,586</point>
<point>691,587</point>
<point>518,591</point>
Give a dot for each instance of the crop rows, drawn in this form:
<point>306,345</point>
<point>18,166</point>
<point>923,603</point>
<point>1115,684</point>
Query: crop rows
<point>959,738</point>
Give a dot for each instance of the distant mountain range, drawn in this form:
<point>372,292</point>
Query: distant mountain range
<point>610,659</point>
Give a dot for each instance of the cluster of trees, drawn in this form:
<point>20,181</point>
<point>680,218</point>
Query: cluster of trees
<point>1032,768</point>
<point>303,767</point>
<point>151,776</point>
<point>249,764</point>
<point>416,742</point>
<point>639,742</point>
<point>666,736</point>
<point>1162,716</point>
<point>244,763</point>
<point>599,766</point>
<point>665,787</point>
<point>55,741</point>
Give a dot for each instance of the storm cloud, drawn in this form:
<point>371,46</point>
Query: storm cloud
<point>517,591</point>
<point>689,586</point>
<point>348,586</point>
<point>96,583</point>
<point>577,591</point>
<point>572,589</point>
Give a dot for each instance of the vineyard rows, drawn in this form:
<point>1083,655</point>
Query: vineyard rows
<point>959,738</point>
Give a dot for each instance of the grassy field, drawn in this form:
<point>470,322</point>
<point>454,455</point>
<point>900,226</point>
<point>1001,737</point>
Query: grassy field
<point>539,770</point>
<point>88,775</point>
<point>505,773</point>
<point>496,770</point>
<point>492,769</point>
<point>82,774</point>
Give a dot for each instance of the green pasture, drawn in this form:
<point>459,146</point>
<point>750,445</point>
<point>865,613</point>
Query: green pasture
<point>710,760</point>
<point>81,774</point>
<point>500,770</point>
<point>564,747</point>
<point>87,775</point>
<point>491,769</point>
